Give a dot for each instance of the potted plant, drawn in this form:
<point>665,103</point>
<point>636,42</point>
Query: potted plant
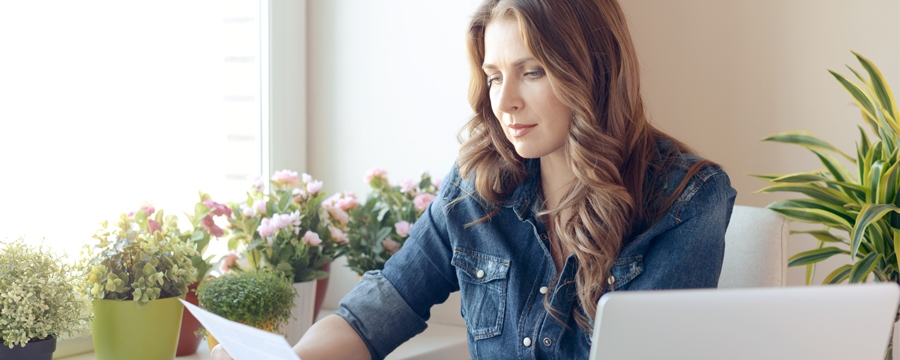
<point>295,230</point>
<point>262,299</point>
<point>862,203</point>
<point>381,225</point>
<point>135,272</point>
<point>37,302</point>
<point>203,229</point>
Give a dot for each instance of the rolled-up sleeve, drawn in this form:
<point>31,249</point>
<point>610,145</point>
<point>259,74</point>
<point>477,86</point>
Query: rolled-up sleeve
<point>390,306</point>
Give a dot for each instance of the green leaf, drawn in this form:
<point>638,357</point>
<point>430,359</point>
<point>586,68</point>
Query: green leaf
<point>805,139</point>
<point>887,185</point>
<point>834,166</point>
<point>767,177</point>
<point>838,275</point>
<point>863,268</point>
<point>869,214</point>
<point>149,269</point>
<point>815,255</point>
<point>821,235</point>
<point>858,93</point>
<point>872,179</point>
<point>880,87</point>
<point>813,191</point>
<point>813,216</point>
<point>814,204</point>
<point>802,177</point>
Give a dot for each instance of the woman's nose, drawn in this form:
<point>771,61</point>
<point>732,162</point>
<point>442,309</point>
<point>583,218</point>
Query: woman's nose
<point>509,100</point>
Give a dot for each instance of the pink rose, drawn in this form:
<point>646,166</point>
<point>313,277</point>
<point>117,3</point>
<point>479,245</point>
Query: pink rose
<point>217,209</point>
<point>149,210</point>
<point>210,226</point>
<point>314,187</point>
<point>423,200</point>
<point>260,206</point>
<point>286,177</point>
<point>227,262</point>
<point>311,238</point>
<point>408,185</point>
<point>266,228</point>
<point>390,245</point>
<point>340,215</point>
<point>402,228</point>
<point>258,184</point>
<point>153,226</point>
<point>348,202</point>
<point>376,173</point>
<point>306,178</point>
<point>338,235</point>
<point>299,195</point>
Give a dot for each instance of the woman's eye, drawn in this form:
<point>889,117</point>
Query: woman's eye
<point>535,74</point>
<point>493,80</point>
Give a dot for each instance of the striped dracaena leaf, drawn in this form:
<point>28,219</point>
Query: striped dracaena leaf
<point>805,139</point>
<point>822,235</point>
<point>838,275</point>
<point>880,87</point>
<point>801,177</point>
<point>815,204</point>
<point>861,269</point>
<point>869,214</point>
<point>815,255</point>
<point>813,191</point>
<point>887,185</point>
<point>834,166</point>
<point>813,216</point>
<point>766,177</point>
<point>858,93</point>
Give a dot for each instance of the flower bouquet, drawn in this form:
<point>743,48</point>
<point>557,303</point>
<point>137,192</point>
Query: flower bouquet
<point>292,228</point>
<point>381,225</point>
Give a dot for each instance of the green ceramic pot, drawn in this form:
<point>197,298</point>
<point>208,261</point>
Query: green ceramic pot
<point>122,330</point>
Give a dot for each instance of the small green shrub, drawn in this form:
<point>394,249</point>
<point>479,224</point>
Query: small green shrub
<point>256,298</point>
<point>37,298</point>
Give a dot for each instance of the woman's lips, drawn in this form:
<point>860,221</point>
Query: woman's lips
<point>520,130</point>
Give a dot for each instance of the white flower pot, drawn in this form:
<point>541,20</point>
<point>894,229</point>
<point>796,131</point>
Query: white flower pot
<point>304,306</point>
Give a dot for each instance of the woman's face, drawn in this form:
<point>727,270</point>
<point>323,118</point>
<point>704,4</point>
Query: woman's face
<point>531,115</point>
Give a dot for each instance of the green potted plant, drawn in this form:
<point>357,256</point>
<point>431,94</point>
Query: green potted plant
<point>136,271</point>
<point>262,299</point>
<point>379,227</point>
<point>203,230</point>
<point>38,302</point>
<point>294,229</point>
<point>863,204</point>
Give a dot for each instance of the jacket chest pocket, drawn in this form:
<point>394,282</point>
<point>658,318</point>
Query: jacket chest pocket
<point>482,283</point>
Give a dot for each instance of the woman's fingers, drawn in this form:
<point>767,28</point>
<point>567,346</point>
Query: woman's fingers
<point>218,353</point>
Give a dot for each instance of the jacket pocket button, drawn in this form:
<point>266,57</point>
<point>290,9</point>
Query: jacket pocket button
<point>479,274</point>
<point>526,342</point>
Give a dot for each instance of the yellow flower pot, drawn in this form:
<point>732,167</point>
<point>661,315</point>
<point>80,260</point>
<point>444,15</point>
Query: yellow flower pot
<point>122,330</point>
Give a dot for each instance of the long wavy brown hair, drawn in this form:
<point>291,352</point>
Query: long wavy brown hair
<point>586,49</point>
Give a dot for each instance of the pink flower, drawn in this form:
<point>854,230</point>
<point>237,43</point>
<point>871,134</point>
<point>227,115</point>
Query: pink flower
<point>436,182</point>
<point>338,235</point>
<point>314,187</point>
<point>311,238</point>
<point>423,200</point>
<point>348,202</point>
<point>402,228</point>
<point>390,245</point>
<point>227,262</point>
<point>299,195</point>
<point>306,178</point>
<point>258,184</point>
<point>266,228</point>
<point>260,206</point>
<point>378,173</point>
<point>217,209</point>
<point>408,185</point>
<point>248,211</point>
<point>286,177</point>
<point>148,209</point>
<point>210,226</point>
<point>153,226</point>
<point>340,215</point>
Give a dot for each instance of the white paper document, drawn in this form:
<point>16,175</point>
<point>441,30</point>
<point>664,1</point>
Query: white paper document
<point>241,341</point>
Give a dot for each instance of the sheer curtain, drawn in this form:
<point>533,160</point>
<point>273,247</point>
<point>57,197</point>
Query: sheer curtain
<point>107,105</point>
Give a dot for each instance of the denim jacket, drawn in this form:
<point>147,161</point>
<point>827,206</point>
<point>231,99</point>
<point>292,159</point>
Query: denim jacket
<point>504,269</point>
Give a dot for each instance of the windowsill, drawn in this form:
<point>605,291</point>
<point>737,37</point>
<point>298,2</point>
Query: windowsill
<point>437,342</point>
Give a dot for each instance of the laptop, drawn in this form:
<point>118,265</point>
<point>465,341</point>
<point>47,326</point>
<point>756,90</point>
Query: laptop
<point>811,322</point>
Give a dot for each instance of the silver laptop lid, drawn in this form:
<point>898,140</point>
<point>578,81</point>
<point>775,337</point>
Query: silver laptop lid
<point>815,322</point>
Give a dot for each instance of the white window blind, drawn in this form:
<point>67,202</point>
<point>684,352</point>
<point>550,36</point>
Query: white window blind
<point>105,105</point>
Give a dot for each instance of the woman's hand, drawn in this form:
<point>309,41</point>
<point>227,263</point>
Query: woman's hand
<point>219,353</point>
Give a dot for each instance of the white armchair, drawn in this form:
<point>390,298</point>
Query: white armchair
<point>755,249</point>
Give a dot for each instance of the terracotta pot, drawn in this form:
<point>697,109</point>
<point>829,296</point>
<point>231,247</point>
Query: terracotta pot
<point>33,350</point>
<point>188,339</point>
<point>321,286</point>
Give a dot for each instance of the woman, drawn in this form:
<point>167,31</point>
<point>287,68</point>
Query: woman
<point>562,192</point>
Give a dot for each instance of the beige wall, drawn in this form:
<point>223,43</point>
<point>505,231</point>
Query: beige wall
<point>721,75</point>
<point>387,84</point>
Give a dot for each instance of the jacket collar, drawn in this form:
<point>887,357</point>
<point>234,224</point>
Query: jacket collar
<point>527,194</point>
